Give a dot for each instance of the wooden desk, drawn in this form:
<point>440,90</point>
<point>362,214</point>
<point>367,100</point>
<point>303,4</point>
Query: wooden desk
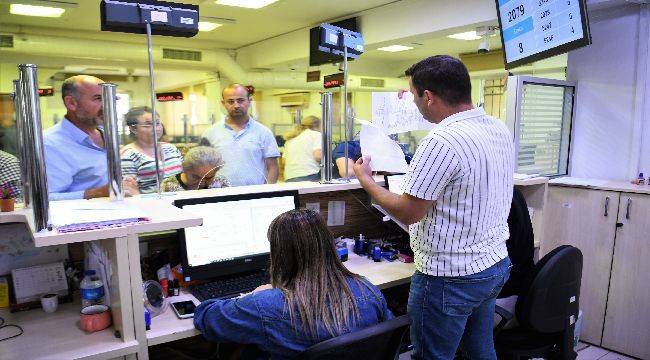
<point>167,327</point>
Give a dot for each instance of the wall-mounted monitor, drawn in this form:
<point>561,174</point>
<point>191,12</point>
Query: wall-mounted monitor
<point>317,57</point>
<point>533,30</point>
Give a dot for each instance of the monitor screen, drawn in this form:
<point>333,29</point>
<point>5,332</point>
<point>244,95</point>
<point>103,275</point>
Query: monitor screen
<point>533,30</point>
<point>317,57</point>
<point>233,237</point>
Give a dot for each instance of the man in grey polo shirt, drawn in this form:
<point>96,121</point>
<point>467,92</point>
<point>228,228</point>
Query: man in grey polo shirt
<point>457,196</point>
<point>249,148</point>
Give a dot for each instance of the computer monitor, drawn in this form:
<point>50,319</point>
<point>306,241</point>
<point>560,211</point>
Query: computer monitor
<point>233,237</point>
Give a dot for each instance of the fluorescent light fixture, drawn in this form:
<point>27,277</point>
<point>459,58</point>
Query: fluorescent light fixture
<point>395,48</point>
<point>250,4</point>
<point>207,26</point>
<point>34,10</point>
<point>470,35</point>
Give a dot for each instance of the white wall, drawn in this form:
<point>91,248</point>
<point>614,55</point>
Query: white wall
<point>611,77</point>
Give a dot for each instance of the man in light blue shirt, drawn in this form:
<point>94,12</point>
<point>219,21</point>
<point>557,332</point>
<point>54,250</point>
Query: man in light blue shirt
<point>249,148</point>
<point>75,157</point>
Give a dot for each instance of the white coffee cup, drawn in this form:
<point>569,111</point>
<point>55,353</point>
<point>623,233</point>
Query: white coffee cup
<point>50,302</point>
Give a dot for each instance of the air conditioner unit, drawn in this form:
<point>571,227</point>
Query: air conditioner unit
<point>300,99</point>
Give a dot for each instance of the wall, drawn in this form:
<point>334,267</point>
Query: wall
<point>610,110</point>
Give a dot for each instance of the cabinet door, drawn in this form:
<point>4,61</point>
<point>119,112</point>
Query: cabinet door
<point>585,219</point>
<point>627,323</point>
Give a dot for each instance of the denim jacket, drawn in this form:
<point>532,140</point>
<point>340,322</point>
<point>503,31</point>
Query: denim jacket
<point>262,318</point>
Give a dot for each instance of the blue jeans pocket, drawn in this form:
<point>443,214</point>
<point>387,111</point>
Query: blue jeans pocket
<point>462,295</point>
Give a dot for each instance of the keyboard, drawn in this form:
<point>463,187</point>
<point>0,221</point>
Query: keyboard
<point>230,287</point>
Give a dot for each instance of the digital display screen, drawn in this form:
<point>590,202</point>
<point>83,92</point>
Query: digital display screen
<point>232,229</point>
<point>169,96</point>
<point>532,30</point>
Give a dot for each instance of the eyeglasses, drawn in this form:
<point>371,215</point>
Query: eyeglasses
<point>150,124</point>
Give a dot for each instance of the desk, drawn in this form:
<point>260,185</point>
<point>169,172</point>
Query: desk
<point>167,327</point>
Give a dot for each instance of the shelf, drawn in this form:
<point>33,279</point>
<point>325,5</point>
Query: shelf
<point>163,216</point>
<point>57,336</point>
<point>382,274</point>
<point>168,327</point>
<point>599,184</point>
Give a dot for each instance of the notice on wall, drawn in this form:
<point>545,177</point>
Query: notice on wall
<point>395,115</point>
<point>335,213</point>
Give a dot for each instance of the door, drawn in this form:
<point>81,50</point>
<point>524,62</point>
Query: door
<point>627,323</point>
<point>585,219</point>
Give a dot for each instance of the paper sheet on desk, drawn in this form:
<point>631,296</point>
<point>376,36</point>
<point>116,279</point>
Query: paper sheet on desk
<point>69,212</point>
<point>385,154</point>
<point>395,115</point>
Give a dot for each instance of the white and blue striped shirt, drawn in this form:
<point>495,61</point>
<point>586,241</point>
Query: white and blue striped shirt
<point>466,164</point>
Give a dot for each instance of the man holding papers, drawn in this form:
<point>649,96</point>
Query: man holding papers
<point>457,195</point>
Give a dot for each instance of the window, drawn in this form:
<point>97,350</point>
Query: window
<point>540,113</point>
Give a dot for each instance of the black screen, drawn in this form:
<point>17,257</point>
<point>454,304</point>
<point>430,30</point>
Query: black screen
<point>184,307</point>
<point>317,57</point>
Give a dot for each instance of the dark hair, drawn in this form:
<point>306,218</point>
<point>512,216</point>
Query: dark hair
<point>443,75</point>
<point>307,268</point>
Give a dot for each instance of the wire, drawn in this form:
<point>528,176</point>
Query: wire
<point>3,326</point>
<point>206,174</point>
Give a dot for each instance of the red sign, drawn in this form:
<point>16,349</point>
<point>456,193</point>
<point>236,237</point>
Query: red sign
<point>46,92</point>
<point>332,81</point>
<point>169,96</point>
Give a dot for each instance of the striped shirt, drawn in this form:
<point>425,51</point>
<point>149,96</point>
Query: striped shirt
<point>466,164</point>
<point>143,166</point>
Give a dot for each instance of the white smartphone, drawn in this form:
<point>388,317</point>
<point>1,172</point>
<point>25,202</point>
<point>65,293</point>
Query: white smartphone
<point>184,309</point>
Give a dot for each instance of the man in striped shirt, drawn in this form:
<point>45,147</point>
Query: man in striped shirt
<point>457,196</point>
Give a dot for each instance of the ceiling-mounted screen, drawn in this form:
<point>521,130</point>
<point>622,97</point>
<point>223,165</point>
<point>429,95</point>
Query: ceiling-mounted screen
<point>533,30</point>
<point>317,57</point>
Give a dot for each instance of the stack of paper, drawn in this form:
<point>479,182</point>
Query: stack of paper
<point>79,215</point>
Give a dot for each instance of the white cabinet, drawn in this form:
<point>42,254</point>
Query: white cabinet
<point>627,322</point>
<point>585,219</point>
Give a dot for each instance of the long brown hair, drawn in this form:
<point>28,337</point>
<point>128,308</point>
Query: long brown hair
<point>306,267</point>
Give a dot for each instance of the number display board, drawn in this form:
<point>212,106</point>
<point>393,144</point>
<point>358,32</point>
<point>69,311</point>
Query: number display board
<point>533,30</point>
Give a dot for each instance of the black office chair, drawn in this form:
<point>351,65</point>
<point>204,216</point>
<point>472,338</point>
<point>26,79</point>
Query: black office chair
<point>377,342</point>
<point>547,309</point>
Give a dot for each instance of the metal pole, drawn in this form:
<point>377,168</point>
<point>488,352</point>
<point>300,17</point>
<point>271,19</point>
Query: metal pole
<point>23,155</point>
<point>344,111</point>
<point>326,128</point>
<point>32,120</point>
<point>184,119</point>
<point>111,131</point>
<point>153,109</point>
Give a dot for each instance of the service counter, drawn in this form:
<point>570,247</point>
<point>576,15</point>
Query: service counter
<point>123,249</point>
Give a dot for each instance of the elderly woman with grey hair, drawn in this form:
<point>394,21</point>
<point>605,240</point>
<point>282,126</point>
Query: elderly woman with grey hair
<point>200,167</point>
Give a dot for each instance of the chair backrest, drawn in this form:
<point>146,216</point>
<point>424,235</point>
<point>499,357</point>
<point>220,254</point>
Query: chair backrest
<point>521,245</point>
<point>552,294</point>
<point>377,342</point>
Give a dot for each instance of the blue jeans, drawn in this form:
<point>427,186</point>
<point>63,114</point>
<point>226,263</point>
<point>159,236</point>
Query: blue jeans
<point>446,310</point>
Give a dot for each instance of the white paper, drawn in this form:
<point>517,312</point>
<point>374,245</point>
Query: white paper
<point>69,212</point>
<point>335,213</point>
<point>385,154</point>
<point>395,115</point>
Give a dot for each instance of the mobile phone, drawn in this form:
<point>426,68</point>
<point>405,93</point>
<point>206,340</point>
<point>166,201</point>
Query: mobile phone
<point>184,309</point>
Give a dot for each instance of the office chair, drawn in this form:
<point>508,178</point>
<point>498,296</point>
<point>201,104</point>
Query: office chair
<point>377,342</point>
<point>547,309</point>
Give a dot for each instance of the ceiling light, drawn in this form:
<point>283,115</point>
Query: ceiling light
<point>251,4</point>
<point>33,10</point>
<point>207,26</point>
<point>395,48</point>
<point>470,35</point>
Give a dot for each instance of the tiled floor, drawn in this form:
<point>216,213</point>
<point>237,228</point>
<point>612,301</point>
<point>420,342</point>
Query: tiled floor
<point>585,352</point>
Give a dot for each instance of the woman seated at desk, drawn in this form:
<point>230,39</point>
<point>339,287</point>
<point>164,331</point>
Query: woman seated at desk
<point>200,167</point>
<point>138,157</point>
<point>312,296</point>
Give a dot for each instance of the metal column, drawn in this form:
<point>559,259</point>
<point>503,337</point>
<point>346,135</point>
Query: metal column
<point>109,107</point>
<point>154,116</point>
<point>326,128</point>
<point>33,137</point>
<point>23,150</point>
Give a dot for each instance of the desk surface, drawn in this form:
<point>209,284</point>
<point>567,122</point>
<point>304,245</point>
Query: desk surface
<point>167,327</point>
<point>57,336</point>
